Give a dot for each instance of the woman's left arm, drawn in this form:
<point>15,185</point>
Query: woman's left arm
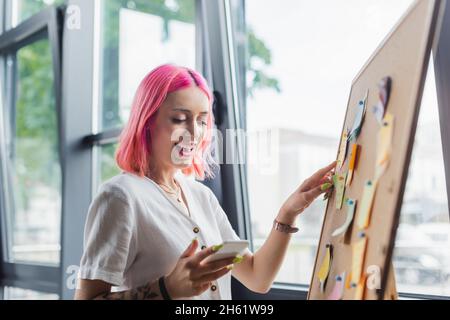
<point>257,271</point>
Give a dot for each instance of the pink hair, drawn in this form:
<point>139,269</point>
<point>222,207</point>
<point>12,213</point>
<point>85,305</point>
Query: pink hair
<point>133,153</point>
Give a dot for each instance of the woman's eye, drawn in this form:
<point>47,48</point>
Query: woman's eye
<point>178,120</point>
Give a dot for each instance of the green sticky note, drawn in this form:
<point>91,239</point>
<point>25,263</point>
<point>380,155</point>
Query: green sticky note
<point>339,185</point>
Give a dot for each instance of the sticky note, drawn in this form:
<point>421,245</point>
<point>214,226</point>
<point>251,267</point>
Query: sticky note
<point>360,288</point>
<point>365,206</point>
<point>342,150</point>
<point>325,267</point>
<point>384,145</point>
<point>352,164</point>
<point>378,112</point>
<point>339,186</point>
<point>348,280</point>
<point>351,205</point>
<point>358,255</point>
<point>338,291</point>
<point>384,92</point>
<point>359,118</point>
<point>373,277</point>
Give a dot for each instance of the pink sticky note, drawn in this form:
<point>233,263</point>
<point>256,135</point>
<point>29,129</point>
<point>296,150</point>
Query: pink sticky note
<point>338,290</point>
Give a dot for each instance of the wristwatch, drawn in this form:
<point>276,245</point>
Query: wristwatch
<point>285,228</point>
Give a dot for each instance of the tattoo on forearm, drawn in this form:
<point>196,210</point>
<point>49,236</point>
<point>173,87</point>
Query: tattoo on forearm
<point>150,291</point>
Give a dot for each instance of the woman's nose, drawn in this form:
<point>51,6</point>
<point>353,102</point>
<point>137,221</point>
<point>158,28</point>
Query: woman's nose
<point>195,131</point>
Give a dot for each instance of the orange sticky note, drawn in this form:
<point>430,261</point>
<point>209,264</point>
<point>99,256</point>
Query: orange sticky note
<point>352,163</point>
<point>361,288</point>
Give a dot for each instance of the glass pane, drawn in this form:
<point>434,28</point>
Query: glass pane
<point>108,166</point>
<point>422,249</point>
<point>23,9</point>
<point>297,88</point>
<point>34,160</point>
<point>138,36</point>
<point>12,293</point>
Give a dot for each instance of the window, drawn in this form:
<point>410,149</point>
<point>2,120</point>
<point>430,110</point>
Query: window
<point>136,37</point>
<point>290,82</point>
<point>23,9</point>
<point>422,249</point>
<point>108,162</point>
<point>34,167</point>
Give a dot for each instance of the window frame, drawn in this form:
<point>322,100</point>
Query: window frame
<point>44,24</point>
<point>440,51</point>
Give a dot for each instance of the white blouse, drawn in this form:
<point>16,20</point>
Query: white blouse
<point>136,233</point>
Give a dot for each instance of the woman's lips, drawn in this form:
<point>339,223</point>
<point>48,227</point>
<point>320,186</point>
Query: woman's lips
<point>185,152</point>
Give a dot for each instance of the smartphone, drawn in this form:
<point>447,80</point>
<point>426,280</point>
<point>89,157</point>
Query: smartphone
<point>230,249</point>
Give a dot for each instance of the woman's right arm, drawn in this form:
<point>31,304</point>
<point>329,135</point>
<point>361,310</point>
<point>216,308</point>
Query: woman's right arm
<point>190,277</point>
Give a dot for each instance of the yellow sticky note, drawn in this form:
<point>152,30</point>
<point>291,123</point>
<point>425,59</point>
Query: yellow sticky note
<point>358,255</point>
<point>342,150</point>
<point>384,145</point>
<point>352,163</point>
<point>365,206</point>
<point>325,267</point>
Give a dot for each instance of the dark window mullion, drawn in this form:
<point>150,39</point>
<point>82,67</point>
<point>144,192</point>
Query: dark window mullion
<point>442,73</point>
<point>102,138</point>
<point>34,277</point>
<point>77,63</point>
<point>11,67</point>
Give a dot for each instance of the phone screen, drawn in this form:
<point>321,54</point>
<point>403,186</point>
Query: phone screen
<point>229,249</point>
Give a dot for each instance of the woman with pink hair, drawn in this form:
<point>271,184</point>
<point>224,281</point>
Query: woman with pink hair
<point>138,234</point>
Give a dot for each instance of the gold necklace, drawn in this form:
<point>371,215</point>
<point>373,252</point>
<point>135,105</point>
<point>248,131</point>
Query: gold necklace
<point>171,191</point>
<point>176,193</point>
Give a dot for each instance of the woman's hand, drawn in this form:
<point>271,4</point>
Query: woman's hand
<point>311,188</point>
<point>192,276</point>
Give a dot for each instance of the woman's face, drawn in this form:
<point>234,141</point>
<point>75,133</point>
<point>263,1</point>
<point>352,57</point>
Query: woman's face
<point>179,127</point>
